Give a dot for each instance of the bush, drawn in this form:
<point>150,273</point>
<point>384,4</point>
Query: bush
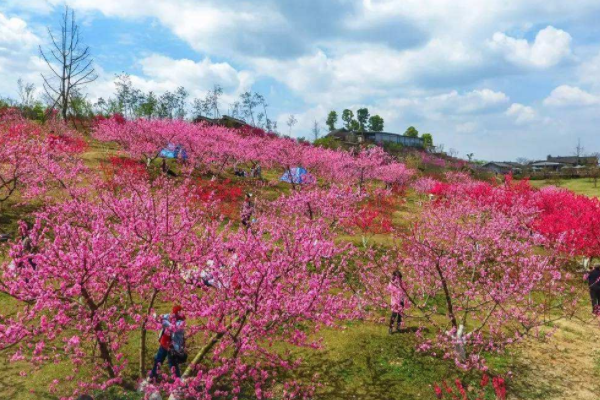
<point>328,142</point>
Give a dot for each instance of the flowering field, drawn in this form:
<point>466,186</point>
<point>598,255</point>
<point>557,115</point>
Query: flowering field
<point>296,303</point>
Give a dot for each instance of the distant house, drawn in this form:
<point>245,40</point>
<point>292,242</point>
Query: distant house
<point>574,161</point>
<point>547,166</point>
<point>504,167</point>
<point>376,137</point>
<point>225,120</point>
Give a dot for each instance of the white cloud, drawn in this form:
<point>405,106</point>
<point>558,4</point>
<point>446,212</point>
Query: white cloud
<point>195,76</point>
<point>550,47</point>
<point>18,54</point>
<point>450,105</point>
<point>15,35</point>
<point>470,102</point>
<point>467,127</point>
<point>369,71</point>
<point>589,71</point>
<point>564,96</point>
<point>522,114</point>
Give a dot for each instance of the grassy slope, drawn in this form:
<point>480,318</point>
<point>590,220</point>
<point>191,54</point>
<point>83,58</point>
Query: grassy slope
<point>363,361</point>
<point>580,185</point>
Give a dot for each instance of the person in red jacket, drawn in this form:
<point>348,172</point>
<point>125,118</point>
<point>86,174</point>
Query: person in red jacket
<point>172,324</point>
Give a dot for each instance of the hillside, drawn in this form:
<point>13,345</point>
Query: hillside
<point>342,228</point>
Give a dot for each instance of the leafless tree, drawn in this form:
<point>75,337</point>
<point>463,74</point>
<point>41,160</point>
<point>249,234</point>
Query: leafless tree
<point>70,63</point>
<point>316,130</point>
<point>579,149</point>
<point>291,122</point>
<point>452,152</point>
<point>26,93</point>
<point>523,160</point>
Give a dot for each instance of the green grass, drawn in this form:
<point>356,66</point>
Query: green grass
<point>365,362</point>
<point>583,186</point>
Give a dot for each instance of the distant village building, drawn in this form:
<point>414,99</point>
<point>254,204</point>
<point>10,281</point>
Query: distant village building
<point>355,137</point>
<point>574,161</point>
<point>546,166</point>
<point>504,167</point>
<point>225,121</point>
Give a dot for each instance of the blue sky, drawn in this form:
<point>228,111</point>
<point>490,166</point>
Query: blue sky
<point>499,78</point>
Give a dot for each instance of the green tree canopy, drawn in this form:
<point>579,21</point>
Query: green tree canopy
<point>376,123</point>
<point>332,119</point>
<point>362,115</point>
<point>427,139</point>
<point>412,132</point>
<point>347,117</point>
<point>328,142</point>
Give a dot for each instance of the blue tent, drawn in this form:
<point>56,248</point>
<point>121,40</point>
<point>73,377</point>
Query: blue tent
<point>295,175</point>
<point>173,151</point>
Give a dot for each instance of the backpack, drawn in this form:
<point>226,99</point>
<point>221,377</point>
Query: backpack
<point>177,350</point>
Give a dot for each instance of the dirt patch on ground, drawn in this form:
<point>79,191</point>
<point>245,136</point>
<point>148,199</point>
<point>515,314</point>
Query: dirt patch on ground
<point>563,366</point>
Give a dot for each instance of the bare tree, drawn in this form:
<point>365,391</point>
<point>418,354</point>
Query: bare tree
<point>70,63</point>
<point>579,149</point>
<point>452,152</point>
<point>26,93</point>
<point>249,102</point>
<point>316,130</point>
<point>470,156</point>
<point>523,160</point>
<point>291,122</point>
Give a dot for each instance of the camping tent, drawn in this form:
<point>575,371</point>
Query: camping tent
<point>296,175</point>
<point>173,151</point>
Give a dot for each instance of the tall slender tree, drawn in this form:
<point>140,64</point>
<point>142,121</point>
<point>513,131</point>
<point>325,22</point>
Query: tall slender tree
<point>347,117</point>
<point>362,115</point>
<point>316,130</point>
<point>332,119</point>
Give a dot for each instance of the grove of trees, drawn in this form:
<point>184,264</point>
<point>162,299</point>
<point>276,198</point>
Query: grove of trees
<point>364,121</point>
<point>115,243</point>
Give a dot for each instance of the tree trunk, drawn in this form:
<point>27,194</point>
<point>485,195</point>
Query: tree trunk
<point>105,352</point>
<point>208,347</point>
<point>103,346</point>
<point>143,336</point>
<point>447,297</point>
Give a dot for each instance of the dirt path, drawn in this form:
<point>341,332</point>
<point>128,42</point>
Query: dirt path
<point>565,366</point>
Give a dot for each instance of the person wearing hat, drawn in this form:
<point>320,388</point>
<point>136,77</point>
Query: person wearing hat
<point>171,342</point>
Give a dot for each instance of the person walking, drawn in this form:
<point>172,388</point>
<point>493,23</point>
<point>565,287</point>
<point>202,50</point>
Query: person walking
<point>593,279</point>
<point>397,300</point>
<point>171,340</point>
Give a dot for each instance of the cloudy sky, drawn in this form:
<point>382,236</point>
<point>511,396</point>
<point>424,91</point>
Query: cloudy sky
<point>499,78</point>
